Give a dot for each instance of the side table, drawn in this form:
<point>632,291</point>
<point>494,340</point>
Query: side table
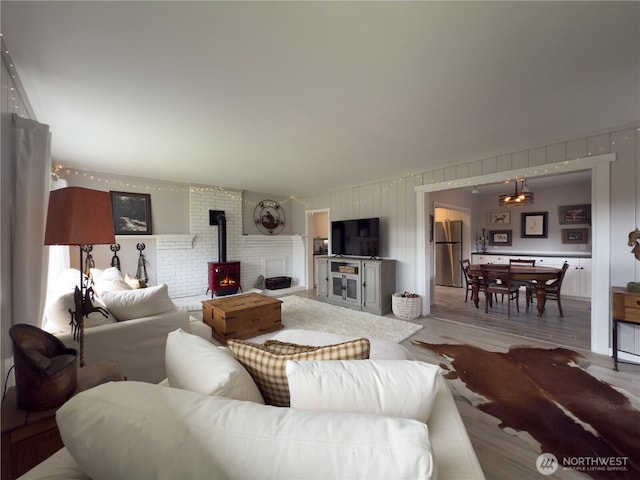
<point>28,438</point>
<point>626,309</point>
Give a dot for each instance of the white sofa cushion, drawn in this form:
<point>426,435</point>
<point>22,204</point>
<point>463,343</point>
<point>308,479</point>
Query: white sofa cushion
<point>195,364</point>
<point>143,302</point>
<point>398,388</point>
<point>58,316</point>
<point>134,282</point>
<point>109,429</point>
<point>266,362</point>
<point>380,349</point>
<point>138,345</point>
<point>66,281</point>
<point>109,280</point>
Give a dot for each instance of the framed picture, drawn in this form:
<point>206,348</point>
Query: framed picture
<point>500,217</point>
<point>534,225</point>
<point>500,237</point>
<point>570,214</point>
<point>131,213</point>
<point>575,235</point>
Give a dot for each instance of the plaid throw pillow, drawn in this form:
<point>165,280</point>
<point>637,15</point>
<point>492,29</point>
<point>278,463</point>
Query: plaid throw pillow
<point>267,362</point>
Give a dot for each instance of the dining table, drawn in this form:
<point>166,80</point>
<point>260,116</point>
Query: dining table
<point>519,273</point>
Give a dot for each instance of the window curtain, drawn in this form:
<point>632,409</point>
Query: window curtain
<point>30,197</point>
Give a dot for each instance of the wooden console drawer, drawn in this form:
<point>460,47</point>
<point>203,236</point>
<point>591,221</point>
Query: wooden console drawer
<point>626,309</point>
<point>626,306</point>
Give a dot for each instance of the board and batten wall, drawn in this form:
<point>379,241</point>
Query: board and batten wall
<point>394,201</point>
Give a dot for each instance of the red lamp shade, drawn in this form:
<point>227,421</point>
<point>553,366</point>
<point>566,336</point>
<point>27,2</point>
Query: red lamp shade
<point>79,216</point>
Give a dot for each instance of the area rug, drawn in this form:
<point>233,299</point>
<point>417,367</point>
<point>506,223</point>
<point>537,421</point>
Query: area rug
<point>585,423</point>
<point>306,314</point>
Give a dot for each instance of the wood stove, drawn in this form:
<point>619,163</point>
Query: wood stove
<point>224,277</point>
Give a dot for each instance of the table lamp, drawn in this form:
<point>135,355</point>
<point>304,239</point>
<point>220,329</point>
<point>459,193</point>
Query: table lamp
<point>82,217</point>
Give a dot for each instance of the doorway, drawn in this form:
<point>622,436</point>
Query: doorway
<point>601,227</point>
<point>451,243</point>
<point>318,236</point>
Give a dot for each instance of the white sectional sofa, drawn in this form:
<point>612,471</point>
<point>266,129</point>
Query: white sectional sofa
<point>135,330</point>
<point>215,425</point>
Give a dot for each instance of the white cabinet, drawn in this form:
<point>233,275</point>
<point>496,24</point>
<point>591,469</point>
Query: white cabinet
<point>545,261</point>
<point>488,258</point>
<point>361,284</point>
<point>378,284</point>
<point>478,259</point>
<point>577,280</point>
<point>585,277</point>
<point>344,283</point>
<point>571,282</point>
<point>322,279</point>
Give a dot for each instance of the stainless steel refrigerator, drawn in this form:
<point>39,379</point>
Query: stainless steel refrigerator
<point>448,237</point>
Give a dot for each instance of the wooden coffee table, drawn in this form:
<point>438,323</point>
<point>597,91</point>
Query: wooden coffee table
<point>242,316</point>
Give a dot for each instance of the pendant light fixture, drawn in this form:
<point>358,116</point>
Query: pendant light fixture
<point>521,196</point>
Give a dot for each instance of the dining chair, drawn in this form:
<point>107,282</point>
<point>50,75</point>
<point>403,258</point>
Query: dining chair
<point>468,280</point>
<point>552,290</point>
<point>497,281</point>
<point>521,261</point>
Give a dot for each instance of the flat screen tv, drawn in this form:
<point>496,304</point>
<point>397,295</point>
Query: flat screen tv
<point>356,237</point>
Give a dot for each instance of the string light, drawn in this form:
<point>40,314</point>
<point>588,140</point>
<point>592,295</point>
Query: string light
<point>382,187</point>
<point>60,171</point>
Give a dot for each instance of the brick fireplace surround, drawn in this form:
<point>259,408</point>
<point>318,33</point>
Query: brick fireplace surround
<point>182,260</point>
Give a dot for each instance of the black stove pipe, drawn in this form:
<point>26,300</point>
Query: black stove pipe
<point>217,217</point>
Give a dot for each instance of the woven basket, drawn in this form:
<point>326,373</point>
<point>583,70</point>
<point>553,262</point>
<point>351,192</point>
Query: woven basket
<point>406,308</point>
<point>348,269</point>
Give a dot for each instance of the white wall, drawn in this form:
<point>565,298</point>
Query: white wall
<point>178,255</point>
<point>393,201</point>
<point>251,201</point>
<point>546,200</point>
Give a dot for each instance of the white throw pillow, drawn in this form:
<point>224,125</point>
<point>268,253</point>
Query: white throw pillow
<point>195,364</point>
<point>135,430</point>
<point>144,302</point>
<point>134,282</point>
<point>109,280</point>
<point>58,316</point>
<point>380,349</point>
<point>96,274</point>
<point>398,388</point>
<point>67,281</point>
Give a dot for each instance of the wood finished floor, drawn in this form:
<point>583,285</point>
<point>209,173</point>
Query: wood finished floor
<point>505,455</point>
<point>574,330</point>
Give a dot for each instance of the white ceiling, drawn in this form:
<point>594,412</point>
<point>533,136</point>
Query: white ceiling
<point>304,97</point>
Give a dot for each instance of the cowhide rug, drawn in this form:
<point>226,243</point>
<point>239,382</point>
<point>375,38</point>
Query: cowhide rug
<point>546,394</point>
